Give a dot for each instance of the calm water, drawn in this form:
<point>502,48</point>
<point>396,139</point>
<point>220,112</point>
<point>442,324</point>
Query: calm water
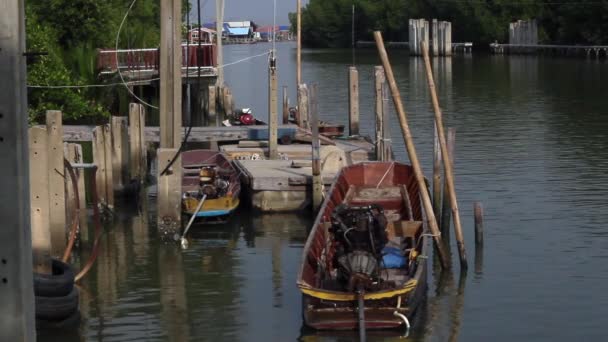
<point>532,136</point>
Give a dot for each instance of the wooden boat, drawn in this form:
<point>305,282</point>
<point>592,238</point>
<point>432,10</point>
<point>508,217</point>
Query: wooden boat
<point>209,173</point>
<point>377,202</point>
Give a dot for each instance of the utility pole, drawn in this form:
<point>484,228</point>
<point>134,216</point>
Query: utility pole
<point>272,107</point>
<point>169,162</point>
<point>16,285</point>
<point>299,45</point>
<point>219,25</point>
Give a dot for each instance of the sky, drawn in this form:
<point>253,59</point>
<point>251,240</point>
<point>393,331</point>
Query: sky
<point>260,11</point>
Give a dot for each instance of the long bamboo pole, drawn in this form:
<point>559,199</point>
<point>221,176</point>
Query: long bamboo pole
<point>411,150</point>
<point>449,175</point>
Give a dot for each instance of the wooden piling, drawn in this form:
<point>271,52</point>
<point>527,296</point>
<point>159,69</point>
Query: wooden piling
<point>56,184</point>
<point>102,158</point>
<point>449,175</point>
<point>303,120</point>
<point>446,213</point>
<point>169,193</point>
<point>317,181</point>
<point>387,143</point>
<point>411,149</point>
<point>379,80</point>
<point>353,101</point>
<point>478,209</point>
<point>228,102</point>
<point>212,107</point>
<point>285,106</point>
<point>120,152</point>
<point>437,176</point>
<point>273,115</point>
<point>69,153</point>
<point>137,142</point>
<point>40,200</point>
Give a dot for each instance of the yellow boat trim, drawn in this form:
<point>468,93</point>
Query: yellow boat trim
<point>222,203</point>
<point>340,296</point>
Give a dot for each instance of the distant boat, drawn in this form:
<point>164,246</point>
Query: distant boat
<point>209,173</point>
<point>366,251</point>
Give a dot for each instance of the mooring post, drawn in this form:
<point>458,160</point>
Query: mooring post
<point>317,181</point>
<point>387,143</point>
<point>436,176</point>
<point>212,106</point>
<point>449,174</point>
<point>16,289</point>
<point>109,169</point>
<point>285,106</point>
<point>446,213</point>
<point>379,80</point>
<point>169,176</point>
<point>56,182</point>
<point>228,102</point>
<point>219,27</point>
<point>353,101</point>
<point>99,159</point>
<point>303,120</point>
<point>411,150</point>
<point>120,152</point>
<point>435,37</point>
<point>137,142</point>
<point>478,208</point>
<point>273,115</point>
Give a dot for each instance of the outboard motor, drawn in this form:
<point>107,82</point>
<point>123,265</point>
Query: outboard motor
<point>359,232</point>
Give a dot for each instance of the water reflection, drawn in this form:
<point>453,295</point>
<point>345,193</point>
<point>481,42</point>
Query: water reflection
<point>531,140</point>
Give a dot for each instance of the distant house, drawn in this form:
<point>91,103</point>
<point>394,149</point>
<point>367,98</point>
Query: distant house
<point>281,32</point>
<point>205,35</point>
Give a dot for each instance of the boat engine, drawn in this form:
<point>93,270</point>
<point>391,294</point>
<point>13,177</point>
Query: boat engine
<point>213,183</point>
<point>360,236</point>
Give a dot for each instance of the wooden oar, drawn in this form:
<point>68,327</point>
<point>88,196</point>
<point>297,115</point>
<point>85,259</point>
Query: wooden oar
<point>449,176</point>
<point>411,151</point>
<point>183,240</point>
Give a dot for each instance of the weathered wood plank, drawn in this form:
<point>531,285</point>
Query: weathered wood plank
<point>56,182</point>
<point>40,200</point>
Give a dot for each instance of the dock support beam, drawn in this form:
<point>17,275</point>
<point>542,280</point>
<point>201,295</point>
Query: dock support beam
<point>16,289</point>
<point>56,182</point>
<point>219,26</point>
<point>317,181</point>
<point>303,120</point>
<point>120,152</point>
<point>212,107</point>
<point>353,101</point>
<point>169,176</point>
<point>272,108</point>
<point>137,142</point>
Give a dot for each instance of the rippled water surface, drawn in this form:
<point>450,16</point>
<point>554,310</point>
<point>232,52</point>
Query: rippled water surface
<point>532,142</point>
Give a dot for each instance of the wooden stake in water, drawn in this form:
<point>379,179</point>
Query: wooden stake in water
<point>478,224</point>
<point>436,176</point>
<point>272,110</point>
<point>285,106</point>
<point>411,150</point>
<point>378,82</point>
<point>353,101</point>
<point>449,175</point>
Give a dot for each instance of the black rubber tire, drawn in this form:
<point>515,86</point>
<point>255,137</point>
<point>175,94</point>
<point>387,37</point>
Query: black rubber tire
<point>69,322</point>
<point>57,308</point>
<point>59,284</point>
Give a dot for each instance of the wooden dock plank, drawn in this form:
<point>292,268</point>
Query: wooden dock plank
<point>84,133</point>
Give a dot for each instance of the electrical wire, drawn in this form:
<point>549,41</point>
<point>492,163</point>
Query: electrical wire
<point>118,69</point>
